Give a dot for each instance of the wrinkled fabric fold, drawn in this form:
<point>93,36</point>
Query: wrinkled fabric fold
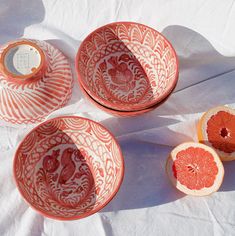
<point>202,33</point>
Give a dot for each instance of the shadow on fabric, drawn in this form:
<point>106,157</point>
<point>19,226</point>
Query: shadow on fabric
<point>205,80</point>
<point>229,177</point>
<point>146,183</point>
<point>15,16</point>
<point>198,88</point>
<point>203,71</point>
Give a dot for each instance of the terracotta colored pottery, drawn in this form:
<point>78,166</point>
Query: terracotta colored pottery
<point>121,113</point>
<point>68,168</point>
<point>35,79</point>
<point>127,66</point>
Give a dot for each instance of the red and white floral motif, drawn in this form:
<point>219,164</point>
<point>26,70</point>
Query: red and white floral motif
<point>72,168</point>
<point>127,66</point>
<point>50,162</point>
<point>67,177</point>
<point>33,100</point>
<point>120,73</point>
<point>121,113</point>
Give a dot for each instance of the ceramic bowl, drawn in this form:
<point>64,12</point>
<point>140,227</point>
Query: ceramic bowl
<point>68,168</point>
<point>35,79</point>
<point>127,66</point>
<point>120,113</point>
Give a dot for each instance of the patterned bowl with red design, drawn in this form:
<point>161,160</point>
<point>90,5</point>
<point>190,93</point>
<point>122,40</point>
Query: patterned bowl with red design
<point>127,66</point>
<point>35,79</point>
<point>121,113</point>
<point>68,168</point>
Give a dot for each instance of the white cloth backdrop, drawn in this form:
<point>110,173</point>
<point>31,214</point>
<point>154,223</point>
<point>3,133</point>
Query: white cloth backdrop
<point>203,35</point>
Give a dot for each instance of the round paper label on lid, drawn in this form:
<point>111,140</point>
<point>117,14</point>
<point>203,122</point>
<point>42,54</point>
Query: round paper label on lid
<point>22,60</point>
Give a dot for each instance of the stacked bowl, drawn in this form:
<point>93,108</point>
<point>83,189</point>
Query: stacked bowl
<point>70,167</point>
<point>126,69</point>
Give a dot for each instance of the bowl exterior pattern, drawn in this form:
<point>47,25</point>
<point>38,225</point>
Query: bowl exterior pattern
<point>68,168</point>
<point>122,113</point>
<point>115,112</point>
<point>127,66</point>
<point>30,101</point>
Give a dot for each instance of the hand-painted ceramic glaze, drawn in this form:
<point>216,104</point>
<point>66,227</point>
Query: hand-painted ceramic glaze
<point>35,79</point>
<point>127,66</point>
<point>68,167</point>
<point>121,113</point>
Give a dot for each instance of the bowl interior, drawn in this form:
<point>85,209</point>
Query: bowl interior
<point>116,112</point>
<point>127,66</point>
<point>119,113</point>
<point>68,168</point>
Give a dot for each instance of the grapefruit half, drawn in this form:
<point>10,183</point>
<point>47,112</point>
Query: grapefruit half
<point>216,129</point>
<point>195,169</point>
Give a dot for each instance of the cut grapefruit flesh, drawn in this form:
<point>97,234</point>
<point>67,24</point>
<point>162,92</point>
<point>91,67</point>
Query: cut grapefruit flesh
<point>195,169</point>
<point>216,129</point>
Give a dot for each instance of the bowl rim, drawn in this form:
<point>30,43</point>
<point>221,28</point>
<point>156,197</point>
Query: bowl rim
<point>93,211</point>
<point>20,42</point>
<point>109,104</point>
<point>68,77</point>
<point>122,114</point>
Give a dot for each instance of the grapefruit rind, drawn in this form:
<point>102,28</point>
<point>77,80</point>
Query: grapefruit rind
<point>202,134</point>
<point>204,191</point>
